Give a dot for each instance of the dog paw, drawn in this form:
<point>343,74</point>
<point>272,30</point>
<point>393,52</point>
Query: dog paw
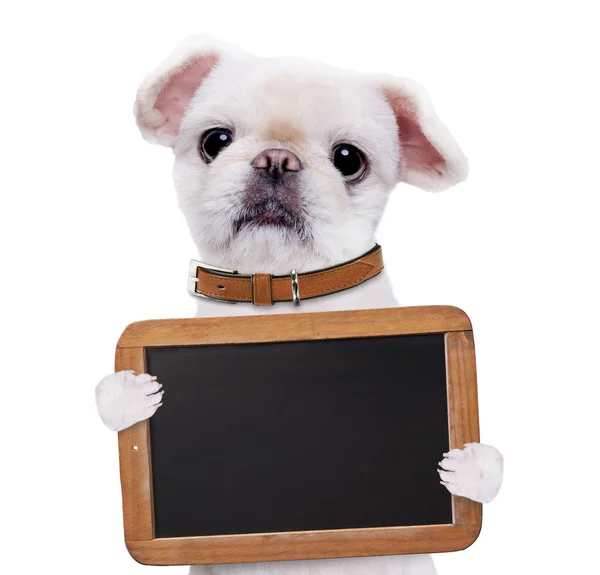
<point>124,398</point>
<point>474,472</point>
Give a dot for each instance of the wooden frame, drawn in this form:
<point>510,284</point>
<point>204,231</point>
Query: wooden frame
<point>134,442</point>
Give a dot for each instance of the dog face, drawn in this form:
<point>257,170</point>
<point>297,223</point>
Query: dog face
<point>283,164</point>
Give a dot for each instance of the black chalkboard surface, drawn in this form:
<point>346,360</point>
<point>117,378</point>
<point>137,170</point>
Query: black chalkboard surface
<point>295,436</point>
<point>301,436</point>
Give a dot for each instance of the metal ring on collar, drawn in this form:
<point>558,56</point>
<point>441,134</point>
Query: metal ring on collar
<point>295,287</point>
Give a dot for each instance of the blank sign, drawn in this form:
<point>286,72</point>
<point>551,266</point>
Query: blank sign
<point>299,436</point>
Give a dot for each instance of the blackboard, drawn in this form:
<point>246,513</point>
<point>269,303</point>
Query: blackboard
<point>295,436</point>
<point>287,427</point>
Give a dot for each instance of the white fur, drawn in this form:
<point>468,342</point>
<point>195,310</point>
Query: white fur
<point>123,399</point>
<point>312,108</point>
<point>474,472</point>
<point>393,565</point>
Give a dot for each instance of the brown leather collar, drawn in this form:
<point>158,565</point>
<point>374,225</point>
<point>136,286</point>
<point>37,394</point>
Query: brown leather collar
<point>265,289</point>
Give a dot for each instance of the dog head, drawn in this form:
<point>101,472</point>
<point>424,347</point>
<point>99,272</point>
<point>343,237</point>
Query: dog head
<point>283,163</point>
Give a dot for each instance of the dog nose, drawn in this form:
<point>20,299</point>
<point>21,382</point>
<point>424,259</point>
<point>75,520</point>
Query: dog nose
<point>276,161</point>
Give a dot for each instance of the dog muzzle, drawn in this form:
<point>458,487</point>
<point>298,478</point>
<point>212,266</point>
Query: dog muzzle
<point>265,289</point>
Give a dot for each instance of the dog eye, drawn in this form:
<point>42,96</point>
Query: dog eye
<point>350,161</point>
<point>213,142</point>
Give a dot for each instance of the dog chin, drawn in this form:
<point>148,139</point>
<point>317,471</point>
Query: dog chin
<point>271,220</point>
<point>271,227</point>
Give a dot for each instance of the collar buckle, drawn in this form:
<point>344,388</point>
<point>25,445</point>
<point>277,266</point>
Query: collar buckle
<point>193,278</point>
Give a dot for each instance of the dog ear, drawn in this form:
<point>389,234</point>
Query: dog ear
<point>431,158</point>
<point>164,95</point>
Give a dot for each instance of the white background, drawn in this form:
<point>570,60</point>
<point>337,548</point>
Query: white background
<point>92,240</point>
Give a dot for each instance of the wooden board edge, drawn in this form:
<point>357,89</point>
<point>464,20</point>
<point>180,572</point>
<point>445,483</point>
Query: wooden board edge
<point>293,327</point>
<point>304,545</point>
<point>463,412</point>
<point>135,462</point>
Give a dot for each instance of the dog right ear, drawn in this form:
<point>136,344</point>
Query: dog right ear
<point>431,159</point>
<point>164,95</point>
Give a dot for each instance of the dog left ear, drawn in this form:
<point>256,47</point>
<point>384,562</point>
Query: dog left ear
<point>431,158</point>
<point>164,95</point>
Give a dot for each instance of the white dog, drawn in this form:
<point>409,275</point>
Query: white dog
<point>287,165</point>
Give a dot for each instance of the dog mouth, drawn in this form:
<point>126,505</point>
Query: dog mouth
<point>270,213</point>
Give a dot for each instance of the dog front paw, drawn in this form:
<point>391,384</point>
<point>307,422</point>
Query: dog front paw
<point>474,472</point>
<point>123,399</point>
